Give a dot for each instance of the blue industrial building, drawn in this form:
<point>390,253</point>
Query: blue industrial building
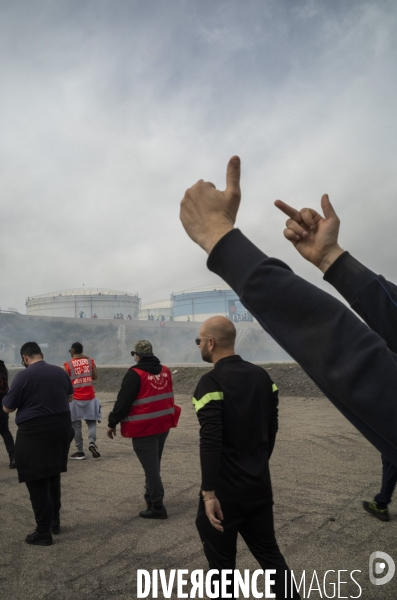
<point>201,303</point>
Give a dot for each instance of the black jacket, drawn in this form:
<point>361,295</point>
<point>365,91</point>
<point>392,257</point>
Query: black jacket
<point>130,387</point>
<point>3,382</point>
<point>236,405</point>
<point>354,367</point>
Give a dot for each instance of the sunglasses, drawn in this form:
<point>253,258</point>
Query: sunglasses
<point>205,337</point>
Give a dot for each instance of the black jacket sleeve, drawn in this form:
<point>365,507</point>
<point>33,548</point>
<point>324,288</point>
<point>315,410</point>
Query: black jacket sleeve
<point>4,371</point>
<point>369,294</point>
<point>129,390</point>
<point>210,416</point>
<point>273,425</point>
<point>350,363</point>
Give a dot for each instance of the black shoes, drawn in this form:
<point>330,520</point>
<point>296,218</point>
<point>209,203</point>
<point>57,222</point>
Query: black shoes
<point>12,462</point>
<point>39,539</point>
<point>78,456</point>
<point>380,513</point>
<point>94,450</point>
<point>154,513</point>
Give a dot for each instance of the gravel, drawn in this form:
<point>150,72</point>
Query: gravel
<point>290,379</point>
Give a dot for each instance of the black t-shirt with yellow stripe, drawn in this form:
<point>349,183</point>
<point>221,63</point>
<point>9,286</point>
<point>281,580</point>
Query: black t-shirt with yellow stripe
<point>237,407</point>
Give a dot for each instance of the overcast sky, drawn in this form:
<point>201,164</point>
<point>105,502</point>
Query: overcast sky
<point>109,110</point>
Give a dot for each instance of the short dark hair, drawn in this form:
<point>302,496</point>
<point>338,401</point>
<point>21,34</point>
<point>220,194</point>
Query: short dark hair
<point>77,347</point>
<point>30,349</point>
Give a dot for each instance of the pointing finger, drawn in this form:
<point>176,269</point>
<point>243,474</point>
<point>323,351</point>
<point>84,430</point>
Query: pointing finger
<point>233,177</point>
<point>289,210</point>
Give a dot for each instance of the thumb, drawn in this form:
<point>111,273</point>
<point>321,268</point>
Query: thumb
<point>327,207</point>
<point>233,177</point>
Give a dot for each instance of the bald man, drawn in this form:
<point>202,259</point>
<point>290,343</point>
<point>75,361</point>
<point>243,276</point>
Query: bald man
<point>237,407</point>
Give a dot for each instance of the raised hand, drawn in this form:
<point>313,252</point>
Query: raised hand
<point>207,214</point>
<point>314,236</point>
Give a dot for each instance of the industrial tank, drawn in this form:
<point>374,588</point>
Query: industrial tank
<point>160,310</point>
<point>198,304</point>
<point>85,303</point>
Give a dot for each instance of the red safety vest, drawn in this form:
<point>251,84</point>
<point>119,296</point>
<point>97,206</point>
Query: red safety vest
<point>80,371</point>
<point>153,411</point>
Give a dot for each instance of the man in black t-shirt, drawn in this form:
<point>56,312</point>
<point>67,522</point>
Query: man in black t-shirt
<point>41,396</point>
<point>236,404</point>
<point>4,430</point>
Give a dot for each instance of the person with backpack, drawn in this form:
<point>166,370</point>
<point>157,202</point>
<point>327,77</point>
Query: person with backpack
<point>4,430</point>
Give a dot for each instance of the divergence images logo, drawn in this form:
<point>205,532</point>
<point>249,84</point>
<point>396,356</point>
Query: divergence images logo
<point>377,570</point>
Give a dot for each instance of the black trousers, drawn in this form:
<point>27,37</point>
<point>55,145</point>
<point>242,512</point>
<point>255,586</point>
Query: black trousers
<point>253,519</point>
<point>6,433</point>
<point>149,450</point>
<point>389,481</point>
<point>45,496</point>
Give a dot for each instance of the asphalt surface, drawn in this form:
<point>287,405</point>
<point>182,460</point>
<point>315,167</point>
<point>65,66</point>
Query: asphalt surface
<point>321,470</point>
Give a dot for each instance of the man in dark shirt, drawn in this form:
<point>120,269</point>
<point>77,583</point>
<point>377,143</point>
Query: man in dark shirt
<point>4,430</point>
<point>41,396</point>
<point>236,404</point>
<point>146,410</point>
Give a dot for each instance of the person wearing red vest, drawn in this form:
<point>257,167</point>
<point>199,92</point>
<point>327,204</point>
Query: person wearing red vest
<point>85,406</point>
<point>146,412</point>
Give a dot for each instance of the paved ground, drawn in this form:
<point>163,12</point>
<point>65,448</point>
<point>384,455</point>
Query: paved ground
<point>321,469</point>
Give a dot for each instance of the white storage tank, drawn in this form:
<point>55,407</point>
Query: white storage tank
<point>159,311</point>
<point>85,303</point>
<point>201,303</point>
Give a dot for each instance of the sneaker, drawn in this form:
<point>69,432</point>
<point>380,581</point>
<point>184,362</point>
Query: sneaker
<point>12,463</point>
<point>39,539</point>
<point>94,450</point>
<point>379,513</point>
<point>55,527</point>
<point>154,513</point>
<point>78,456</point>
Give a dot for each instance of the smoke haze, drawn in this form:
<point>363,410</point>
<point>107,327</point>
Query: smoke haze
<point>110,110</point>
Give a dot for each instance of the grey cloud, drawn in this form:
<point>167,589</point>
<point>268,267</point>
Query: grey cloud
<point>109,111</point>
